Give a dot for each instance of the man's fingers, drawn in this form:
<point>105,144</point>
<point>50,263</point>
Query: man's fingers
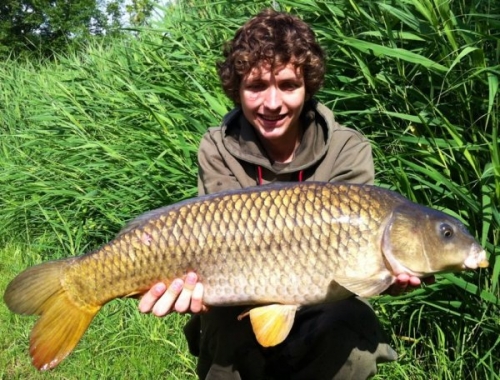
<point>181,296</point>
<point>402,279</point>
<point>149,299</point>
<point>164,305</point>
<point>184,300</point>
<point>414,281</point>
<point>197,299</point>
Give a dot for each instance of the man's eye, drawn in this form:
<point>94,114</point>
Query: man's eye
<point>255,87</point>
<point>289,86</point>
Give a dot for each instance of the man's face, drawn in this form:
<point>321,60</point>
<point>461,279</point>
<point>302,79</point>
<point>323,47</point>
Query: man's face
<point>272,101</point>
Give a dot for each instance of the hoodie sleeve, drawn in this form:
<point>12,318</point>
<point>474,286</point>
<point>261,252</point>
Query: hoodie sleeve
<point>348,156</point>
<point>214,175</point>
<point>352,159</point>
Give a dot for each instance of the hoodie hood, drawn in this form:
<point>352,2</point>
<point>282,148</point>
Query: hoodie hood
<point>242,142</point>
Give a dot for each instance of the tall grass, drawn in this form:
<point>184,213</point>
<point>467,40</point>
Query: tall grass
<point>93,139</point>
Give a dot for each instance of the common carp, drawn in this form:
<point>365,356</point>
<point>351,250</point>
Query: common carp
<point>277,247</point>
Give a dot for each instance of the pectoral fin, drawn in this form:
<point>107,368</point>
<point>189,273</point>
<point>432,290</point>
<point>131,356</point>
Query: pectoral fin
<point>367,287</point>
<point>271,324</point>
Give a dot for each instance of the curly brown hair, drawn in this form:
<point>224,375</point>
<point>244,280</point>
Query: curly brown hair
<point>274,38</point>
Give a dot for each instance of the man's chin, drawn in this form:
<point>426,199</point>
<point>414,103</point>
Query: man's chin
<point>272,130</point>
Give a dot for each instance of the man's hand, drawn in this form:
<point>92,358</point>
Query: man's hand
<point>183,295</point>
<point>405,282</point>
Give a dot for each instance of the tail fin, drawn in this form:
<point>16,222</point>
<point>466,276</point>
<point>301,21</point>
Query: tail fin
<point>39,291</point>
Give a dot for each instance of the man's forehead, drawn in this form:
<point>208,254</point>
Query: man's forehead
<point>283,69</point>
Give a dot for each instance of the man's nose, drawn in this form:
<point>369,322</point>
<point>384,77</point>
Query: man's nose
<point>273,98</point>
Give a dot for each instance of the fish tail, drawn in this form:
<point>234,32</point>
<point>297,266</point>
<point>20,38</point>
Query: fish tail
<point>39,291</point>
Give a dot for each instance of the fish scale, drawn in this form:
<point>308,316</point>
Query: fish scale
<point>286,244</point>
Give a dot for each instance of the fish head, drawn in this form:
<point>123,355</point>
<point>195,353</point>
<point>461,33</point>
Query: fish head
<point>420,241</point>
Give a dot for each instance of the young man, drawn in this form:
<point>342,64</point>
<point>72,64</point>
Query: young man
<point>278,132</point>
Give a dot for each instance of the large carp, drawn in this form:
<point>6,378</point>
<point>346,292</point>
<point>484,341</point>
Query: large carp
<point>282,246</point>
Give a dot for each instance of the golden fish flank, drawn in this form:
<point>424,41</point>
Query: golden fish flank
<point>284,244</point>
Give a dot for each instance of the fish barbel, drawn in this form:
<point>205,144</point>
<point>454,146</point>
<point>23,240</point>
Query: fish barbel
<point>281,245</point>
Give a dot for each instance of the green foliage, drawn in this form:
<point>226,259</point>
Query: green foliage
<point>92,139</point>
<point>44,28</point>
<point>139,11</point>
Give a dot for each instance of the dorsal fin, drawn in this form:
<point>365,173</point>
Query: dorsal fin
<point>143,219</point>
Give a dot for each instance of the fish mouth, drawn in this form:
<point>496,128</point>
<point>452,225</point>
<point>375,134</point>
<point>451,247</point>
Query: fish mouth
<point>477,259</point>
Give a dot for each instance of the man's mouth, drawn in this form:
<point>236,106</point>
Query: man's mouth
<point>272,117</point>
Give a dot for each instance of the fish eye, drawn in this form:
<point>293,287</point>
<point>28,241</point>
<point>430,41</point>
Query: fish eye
<point>446,230</point>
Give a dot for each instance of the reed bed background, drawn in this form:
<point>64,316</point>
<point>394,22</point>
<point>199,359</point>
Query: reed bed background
<point>92,139</point>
